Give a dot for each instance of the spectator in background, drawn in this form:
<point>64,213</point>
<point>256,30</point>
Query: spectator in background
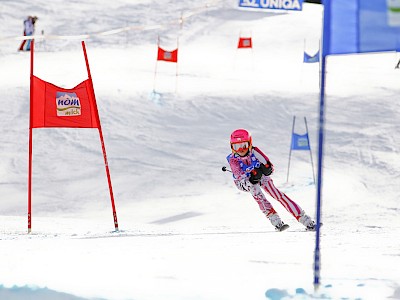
<point>29,30</point>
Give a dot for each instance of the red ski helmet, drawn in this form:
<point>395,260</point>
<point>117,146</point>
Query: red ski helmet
<point>240,140</point>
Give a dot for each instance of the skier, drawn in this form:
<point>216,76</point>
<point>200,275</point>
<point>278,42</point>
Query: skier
<point>29,29</point>
<point>251,171</point>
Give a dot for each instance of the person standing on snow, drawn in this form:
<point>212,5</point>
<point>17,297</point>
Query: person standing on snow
<point>251,171</point>
<point>29,30</point>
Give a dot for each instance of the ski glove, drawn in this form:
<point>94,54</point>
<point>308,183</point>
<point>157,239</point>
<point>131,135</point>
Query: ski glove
<point>267,169</point>
<point>255,176</point>
<point>243,184</point>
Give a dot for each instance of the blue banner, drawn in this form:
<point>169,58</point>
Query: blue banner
<point>356,26</point>
<point>300,142</point>
<point>272,4</point>
<point>311,59</point>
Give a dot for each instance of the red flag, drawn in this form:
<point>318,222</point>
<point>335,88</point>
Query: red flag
<point>53,106</point>
<point>171,56</point>
<point>245,43</point>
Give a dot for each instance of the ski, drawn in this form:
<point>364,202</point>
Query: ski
<point>282,228</point>
<point>314,229</point>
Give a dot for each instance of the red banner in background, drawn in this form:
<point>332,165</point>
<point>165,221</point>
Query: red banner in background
<point>171,56</point>
<point>245,43</point>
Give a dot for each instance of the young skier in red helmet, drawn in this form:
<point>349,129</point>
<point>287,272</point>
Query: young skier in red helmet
<point>251,170</point>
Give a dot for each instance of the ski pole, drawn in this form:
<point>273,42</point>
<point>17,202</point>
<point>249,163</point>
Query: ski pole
<point>224,169</point>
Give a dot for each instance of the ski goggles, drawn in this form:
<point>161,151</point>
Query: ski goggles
<point>239,147</point>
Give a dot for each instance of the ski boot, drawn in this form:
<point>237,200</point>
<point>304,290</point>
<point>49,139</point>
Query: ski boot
<point>277,222</point>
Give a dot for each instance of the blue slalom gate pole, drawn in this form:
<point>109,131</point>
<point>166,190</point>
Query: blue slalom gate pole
<point>317,253</point>
<point>324,51</point>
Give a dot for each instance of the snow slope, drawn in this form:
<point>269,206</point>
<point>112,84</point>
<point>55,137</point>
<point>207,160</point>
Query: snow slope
<point>185,231</point>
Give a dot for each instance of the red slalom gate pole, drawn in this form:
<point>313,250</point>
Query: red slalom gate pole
<point>102,141</point>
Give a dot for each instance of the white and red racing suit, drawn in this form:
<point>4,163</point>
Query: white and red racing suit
<point>241,168</point>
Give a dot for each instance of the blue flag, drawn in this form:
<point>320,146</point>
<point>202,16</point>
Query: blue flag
<point>355,26</point>
<point>300,142</point>
<point>311,59</point>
